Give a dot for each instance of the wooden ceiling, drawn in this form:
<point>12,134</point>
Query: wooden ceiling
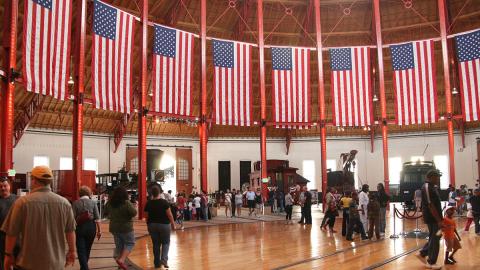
<point>344,23</point>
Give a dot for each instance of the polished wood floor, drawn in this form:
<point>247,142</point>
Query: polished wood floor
<point>274,245</point>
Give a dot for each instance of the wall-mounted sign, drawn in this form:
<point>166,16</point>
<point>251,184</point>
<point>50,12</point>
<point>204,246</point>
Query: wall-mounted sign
<point>11,172</point>
<point>265,180</point>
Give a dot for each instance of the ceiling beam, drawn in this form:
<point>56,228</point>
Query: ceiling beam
<point>240,24</point>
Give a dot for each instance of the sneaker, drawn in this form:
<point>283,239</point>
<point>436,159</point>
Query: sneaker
<point>448,261</point>
<point>433,266</point>
<point>452,259</point>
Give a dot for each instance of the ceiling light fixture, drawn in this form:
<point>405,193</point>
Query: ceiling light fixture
<point>375,98</point>
<point>454,91</point>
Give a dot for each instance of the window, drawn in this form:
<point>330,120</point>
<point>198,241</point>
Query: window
<point>417,158</point>
<point>308,170</point>
<point>182,170</point>
<point>394,169</point>
<point>41,161</point>
<point>91,164</point>
<point>331,165</point>
<point>134,165</point>
<point>441,163</point>
<point>66,163</point>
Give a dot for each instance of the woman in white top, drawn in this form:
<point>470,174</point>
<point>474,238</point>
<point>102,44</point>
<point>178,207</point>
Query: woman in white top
<point>363,205</point>
<point>196,204</point>
<point>239,202</point>
<point>288,207</point>
<point>228,202</point>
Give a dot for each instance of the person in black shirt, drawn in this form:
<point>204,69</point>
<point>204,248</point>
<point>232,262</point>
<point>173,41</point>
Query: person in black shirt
<point>308,206</point>
<point>432,215</point>
<point>475,202</point>
<point>159,222</point>
<point>383,199</point>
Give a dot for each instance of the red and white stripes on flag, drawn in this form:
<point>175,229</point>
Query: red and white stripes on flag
<point>291,86</point>
<point>414,82</point>
<point>172,71</point>
<point>232,82</point>
<point>351,86</point>
<point>468,53</point>
<point>46,46</point>
<point>112,51</point>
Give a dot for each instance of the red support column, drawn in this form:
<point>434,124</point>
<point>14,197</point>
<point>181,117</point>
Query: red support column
<point>142,118</point>
<point>77,136</point>
<point>202,132</point>
<point>383,103</point>
<point>10,45</point>
<point>263,104</point>
<point>442,12</point>
<point>321,102</point>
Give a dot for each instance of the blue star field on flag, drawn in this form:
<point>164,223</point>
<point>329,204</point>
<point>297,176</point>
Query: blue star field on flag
<point>402,56</point>
<point>165,41</point>
<point>104,20</point>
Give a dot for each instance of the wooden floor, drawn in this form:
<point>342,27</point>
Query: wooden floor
<point>274,245</point>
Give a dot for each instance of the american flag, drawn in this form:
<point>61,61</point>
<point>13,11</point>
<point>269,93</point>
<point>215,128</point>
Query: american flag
<point>414,82</point>
<point>291,85</point>
<point>111,57</point>
<point>172,71</point>
<point>351,86</point>
<point>468,54</point>
<point>232,83</point>
<point>46,46</point>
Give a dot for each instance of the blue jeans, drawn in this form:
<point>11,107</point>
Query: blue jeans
<point>205,213</point>
<point>160,234</point>
<point>123,241</point>
<point>85,235</point>
<point>383,219</point>
<point>432,247</point>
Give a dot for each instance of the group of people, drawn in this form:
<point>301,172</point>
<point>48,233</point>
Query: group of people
<point>363,212</point>
<point>43,230</point>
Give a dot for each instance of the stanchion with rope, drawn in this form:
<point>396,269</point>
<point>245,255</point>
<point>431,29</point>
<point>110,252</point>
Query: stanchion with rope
<point>394,235</point>
<point>403,233</point>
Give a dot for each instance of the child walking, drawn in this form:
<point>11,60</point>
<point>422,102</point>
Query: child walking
<point>469,217</point>
<point>355,219</point>
<point>452,239</point>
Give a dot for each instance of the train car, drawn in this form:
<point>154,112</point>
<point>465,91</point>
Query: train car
<point>412,178</point>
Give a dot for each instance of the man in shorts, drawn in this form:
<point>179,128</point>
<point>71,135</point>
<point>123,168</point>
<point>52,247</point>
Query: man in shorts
<point>250,195</point>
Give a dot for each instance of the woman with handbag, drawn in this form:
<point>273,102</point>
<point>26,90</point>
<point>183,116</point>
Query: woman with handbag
<point>121,212</point>
<point>331,210</point>
<point>88,225</point>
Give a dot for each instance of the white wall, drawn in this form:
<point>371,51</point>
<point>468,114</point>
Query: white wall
<point>370,165</point>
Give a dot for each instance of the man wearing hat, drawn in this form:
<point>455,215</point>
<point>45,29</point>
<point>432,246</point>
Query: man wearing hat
<point>432,215</point>
<point>45,222</point>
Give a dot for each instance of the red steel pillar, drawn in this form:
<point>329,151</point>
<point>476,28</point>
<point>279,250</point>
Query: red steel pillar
<point>383,103</point>
<point>10,45</point>
<point>77,136</point>
<point>202,132</point>
<point>321,102</point>
<point>442,12</point>
<point>263,104</point>
<point>142,118</point>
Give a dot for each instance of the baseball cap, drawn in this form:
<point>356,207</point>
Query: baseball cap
<point>42,173</point>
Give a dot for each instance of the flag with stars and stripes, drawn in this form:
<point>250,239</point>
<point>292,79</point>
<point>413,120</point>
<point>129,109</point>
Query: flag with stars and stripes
<point>414,82</point>
<point>112,51</point>
<point>232,83</point>
<point>46,46</point>
<point>468,54</point>
<point>351,86</point>
<point>172,71</point>
<point>291,86</point>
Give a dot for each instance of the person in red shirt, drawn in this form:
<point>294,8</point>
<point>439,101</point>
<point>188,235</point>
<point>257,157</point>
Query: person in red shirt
<point>452,239</point>
<point>181,206</point>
